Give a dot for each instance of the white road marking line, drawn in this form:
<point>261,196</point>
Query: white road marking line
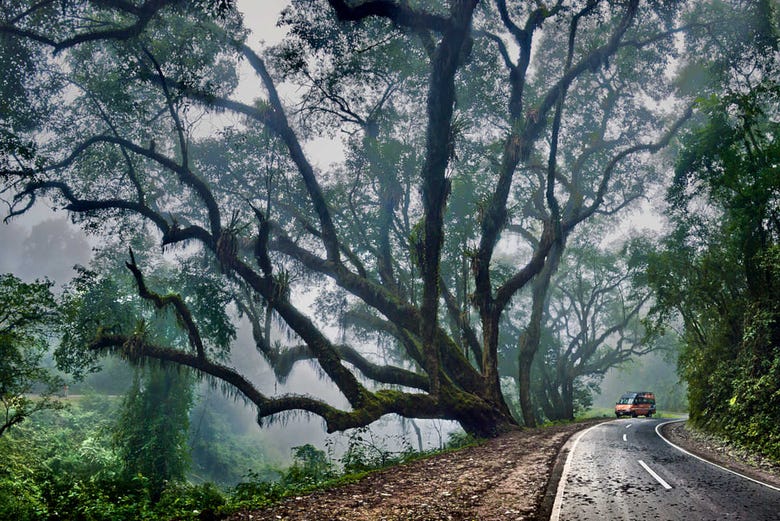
<point>556,511</point>
<point>624,438</point>
<point>657,431</point>
<point>658,478</point>
<point>627,426</point>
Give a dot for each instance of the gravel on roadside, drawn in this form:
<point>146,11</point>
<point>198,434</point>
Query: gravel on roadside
<point>505,478</point>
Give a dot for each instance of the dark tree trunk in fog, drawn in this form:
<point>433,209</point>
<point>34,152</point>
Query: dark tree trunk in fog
<point>529,341</point>
<point>568,398</point>
<point>524,387</point>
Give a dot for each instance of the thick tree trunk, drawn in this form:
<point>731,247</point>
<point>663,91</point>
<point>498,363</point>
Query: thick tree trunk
<point>525,360</point>
<point>490,359</point>
<point>435,187</point>
<point>529,341</point>
<point>559,410</point>
<point>479,415</point>
<point>546,403</point>
<point>487,426</point>
<point>568,398</point>
<point>484,421</point>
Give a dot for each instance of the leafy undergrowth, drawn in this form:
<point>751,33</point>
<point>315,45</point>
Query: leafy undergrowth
<point>312,471</point>
<point>65,469</point>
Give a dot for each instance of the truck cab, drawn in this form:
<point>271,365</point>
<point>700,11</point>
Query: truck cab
<point>636,403</point>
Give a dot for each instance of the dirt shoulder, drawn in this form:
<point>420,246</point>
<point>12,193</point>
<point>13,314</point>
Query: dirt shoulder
<point>504,478</point>
<point>722,453</point>
<point>512,477</point>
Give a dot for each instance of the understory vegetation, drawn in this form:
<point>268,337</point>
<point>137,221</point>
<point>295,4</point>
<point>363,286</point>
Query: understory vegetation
<point>67,465</point>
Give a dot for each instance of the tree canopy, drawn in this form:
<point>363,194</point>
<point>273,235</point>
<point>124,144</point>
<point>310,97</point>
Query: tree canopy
<point>477,137</point>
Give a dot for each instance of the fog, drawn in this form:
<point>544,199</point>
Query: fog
<point>45,244</point>
<point>42,246</point>
<point>656,373</point>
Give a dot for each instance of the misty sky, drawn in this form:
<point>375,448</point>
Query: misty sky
<point>43,245</point>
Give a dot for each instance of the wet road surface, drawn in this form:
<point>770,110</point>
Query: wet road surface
<point>623,470</point>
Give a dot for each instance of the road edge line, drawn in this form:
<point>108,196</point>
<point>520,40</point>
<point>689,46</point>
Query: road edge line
<point>555,513</point>
<point>658,432</point>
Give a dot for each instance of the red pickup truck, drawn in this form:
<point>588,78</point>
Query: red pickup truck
<point>635,404</point>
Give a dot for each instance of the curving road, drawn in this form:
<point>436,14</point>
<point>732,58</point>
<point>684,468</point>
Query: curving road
<point>623,469</point>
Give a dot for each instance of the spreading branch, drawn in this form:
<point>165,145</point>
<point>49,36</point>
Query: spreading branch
<point>397,12</point>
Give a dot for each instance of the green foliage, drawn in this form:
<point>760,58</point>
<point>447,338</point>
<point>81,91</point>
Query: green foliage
<point>365,452</point>
<point>256,491</point>
<point>65,466</point>
<point>460,439</point>
<point>105,300</point>
<point>151,434</point>
<point>24,93</point>
<point>64,462</point>
<point>28,316</point>
<point>718,271</point>
<point>312,469</point>
<point>310,466</point>
<point>91,303</point>
<point>187,501</point>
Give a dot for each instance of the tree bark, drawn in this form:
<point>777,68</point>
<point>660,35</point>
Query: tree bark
<point>568,398</point>
<point>529,341</point>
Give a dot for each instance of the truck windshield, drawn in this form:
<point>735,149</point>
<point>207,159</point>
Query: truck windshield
<point>626,401</point>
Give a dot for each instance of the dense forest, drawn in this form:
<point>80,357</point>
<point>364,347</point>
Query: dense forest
<point>434,206</point>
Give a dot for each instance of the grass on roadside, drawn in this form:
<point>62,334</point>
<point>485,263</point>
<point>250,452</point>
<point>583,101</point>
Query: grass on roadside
<point>604,412</point>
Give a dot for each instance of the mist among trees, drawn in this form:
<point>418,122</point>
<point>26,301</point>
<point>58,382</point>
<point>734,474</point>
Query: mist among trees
<point>465,254</point>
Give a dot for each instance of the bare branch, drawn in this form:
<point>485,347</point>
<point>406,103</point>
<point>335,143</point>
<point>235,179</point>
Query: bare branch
<point>283,360</point>
<point>277,121</point>
<point>171,109</point>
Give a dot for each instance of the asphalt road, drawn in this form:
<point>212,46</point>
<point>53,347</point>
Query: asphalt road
<point>609,476</point>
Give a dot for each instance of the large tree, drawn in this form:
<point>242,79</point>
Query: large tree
<point>463,121</point>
